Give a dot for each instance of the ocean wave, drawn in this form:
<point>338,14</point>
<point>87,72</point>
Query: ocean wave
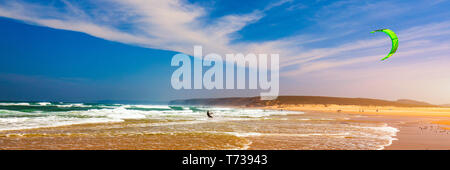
<point>331,130</point>
<point>44,103</point>
<point>19,123</point>
<point>383,132</point>
<point>14,104</point>
<point>47,114</point>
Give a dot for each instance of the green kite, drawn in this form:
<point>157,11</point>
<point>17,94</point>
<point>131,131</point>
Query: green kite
<point>394,40</point>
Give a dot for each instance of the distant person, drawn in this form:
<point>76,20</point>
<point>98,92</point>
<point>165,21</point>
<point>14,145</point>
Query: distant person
<point>209,114</point>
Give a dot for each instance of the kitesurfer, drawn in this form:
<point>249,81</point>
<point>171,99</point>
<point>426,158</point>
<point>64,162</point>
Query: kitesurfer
<point>209,114</point>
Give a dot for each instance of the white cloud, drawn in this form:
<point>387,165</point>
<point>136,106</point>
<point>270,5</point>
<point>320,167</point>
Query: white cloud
<point>170,25</point>
<point>420,40</point>
<point>177,25</point>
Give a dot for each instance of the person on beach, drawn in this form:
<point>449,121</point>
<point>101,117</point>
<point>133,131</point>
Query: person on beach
<point>209,114</point>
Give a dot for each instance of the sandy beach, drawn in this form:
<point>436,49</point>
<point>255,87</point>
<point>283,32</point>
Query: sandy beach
<point>420,128</point>
<point>277,127</point>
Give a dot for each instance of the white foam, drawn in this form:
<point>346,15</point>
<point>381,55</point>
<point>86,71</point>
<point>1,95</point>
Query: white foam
<point>383,132</point>
<point>40,122</point>
<point>72,105</point>
<point>242,134</point>
<point>117,113</point>
<point>14,104</point>
<point>147,106</point>
<point>44,103</point>
<point>247,134</point>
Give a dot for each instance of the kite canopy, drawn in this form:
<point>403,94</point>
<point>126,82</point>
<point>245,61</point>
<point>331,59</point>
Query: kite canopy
<point>394,40</point>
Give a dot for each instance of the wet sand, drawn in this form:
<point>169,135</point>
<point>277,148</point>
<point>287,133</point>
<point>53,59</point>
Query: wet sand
<point>128,135</point>
<point>420,128</point>
<point>308,131</point>
<point>421,134</point>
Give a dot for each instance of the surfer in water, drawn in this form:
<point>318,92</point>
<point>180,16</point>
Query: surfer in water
<point>209,114</point>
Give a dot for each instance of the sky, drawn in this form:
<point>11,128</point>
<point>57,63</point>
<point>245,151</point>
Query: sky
<point>91,50</point>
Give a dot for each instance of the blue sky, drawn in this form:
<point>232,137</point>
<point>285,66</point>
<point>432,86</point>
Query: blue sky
<point>121,49</point>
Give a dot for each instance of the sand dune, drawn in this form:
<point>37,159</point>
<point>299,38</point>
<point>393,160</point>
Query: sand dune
<point>295,100</point>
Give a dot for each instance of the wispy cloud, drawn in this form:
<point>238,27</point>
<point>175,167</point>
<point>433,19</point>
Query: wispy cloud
<point>170,25</point>
<point>416,41</point>
<point>178,25</point>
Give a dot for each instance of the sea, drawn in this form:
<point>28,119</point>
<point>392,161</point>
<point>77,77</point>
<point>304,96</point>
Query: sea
<point>61,125</point>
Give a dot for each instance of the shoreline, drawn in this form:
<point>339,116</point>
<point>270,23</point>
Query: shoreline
<point>420,128</point>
